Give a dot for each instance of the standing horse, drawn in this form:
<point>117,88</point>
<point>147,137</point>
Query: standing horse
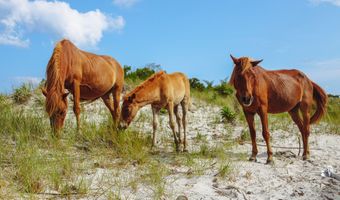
<point>87,76</point>
<point>261,91</point>
<point>160,90</point>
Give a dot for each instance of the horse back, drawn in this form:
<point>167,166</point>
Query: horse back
<point>176,86</point>
<point>284,89</point>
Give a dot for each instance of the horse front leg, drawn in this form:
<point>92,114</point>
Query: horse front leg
<point>250,121</point>
<point>265,133</point>
<point>116,99</point>
<point>170,108</point>
<point>155,113</point>
<point>76,100</point>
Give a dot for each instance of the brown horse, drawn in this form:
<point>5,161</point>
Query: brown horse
<point>87,76</point>
<point>160,90</point>
<point>261,91</point>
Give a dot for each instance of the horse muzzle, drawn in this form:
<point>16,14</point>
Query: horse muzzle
<point>247,101</point>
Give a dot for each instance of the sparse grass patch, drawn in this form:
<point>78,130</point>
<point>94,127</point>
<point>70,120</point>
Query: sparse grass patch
<point>155,177</point>
<point>23,93</point>
<point>245,136</point>
<point>227,115</point>
<point>224,169</point>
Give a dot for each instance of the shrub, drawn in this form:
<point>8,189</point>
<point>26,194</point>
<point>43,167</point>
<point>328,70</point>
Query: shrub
<point>195,83</point>
<point>141,73</point>
<point>224,88</point>
<point>227,114</point>
<point>22,94</point>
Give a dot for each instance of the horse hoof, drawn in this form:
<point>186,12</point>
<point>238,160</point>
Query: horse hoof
<point>305,157</point>
<point>269,162</point>
<point>253,159</point>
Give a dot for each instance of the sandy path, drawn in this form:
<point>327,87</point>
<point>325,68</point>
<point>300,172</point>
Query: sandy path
<point>289,178</point>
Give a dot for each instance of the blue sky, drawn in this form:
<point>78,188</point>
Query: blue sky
<point>191,36</point>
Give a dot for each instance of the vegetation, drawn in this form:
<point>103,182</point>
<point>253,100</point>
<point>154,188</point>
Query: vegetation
<point>227,114</point>
<point>142,73</point>
<point>23,93</point>
<point>332,117</point>
<point>34,163</point>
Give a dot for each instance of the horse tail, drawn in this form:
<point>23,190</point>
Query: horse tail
<point>320,97</point>
<point>190,107</point>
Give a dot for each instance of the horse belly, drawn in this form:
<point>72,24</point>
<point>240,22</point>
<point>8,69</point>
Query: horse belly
<point>87,93</point>
<point>279,105</point>
<point>97,87</point>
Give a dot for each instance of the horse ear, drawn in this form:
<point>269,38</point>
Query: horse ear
<point>65,95</point>
<point>235,60</point>
<point>256,62</point>
<point>43,90</point>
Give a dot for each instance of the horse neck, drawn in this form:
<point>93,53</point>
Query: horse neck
<point>56,71</point>
<point>147,96</point>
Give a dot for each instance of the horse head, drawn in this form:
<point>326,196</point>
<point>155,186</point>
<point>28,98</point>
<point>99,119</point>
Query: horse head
<point>129,111</point>
<point>56,107</point>
<point>244,79</point>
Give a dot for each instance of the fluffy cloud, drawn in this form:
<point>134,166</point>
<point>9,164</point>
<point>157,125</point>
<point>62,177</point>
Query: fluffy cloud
<point>334,2</point>
<point>125,3</point>
<point>19,17</point>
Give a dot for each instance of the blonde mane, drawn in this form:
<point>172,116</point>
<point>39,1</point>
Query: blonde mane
<point>145,83</point>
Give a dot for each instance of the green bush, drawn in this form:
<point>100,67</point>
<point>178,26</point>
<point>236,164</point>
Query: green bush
<point>195,83</point>
<point>141,73</point>
<point>224,88</point>
<point>22,94</point>
<point>227,114</point>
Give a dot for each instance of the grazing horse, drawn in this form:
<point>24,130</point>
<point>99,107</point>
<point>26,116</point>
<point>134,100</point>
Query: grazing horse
<point>87,76</point>
<point>161,90</point>
<point>261,91</point>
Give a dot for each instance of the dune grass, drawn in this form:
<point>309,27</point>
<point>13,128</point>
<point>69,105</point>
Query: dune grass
<point>33,163</point>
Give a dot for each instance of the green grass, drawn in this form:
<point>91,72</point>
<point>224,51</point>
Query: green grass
<point>227,115</point>
<point>332,117</point>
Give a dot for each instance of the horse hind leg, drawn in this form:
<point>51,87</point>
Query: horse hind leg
<point>170,108</point>
<point>305,109</point>
<point>185,108</point>
<point>179,121</point>
<point>294,114</point>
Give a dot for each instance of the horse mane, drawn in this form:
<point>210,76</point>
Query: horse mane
<point>55,74</point>
<point>145,83</point>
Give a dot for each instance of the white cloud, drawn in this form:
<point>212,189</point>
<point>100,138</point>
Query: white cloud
<point>28,79</point>
<point>125,3</point>
<point>18,17</point>
<point>334,2</point>
<point>326,73</point>
<point>324,70</point>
